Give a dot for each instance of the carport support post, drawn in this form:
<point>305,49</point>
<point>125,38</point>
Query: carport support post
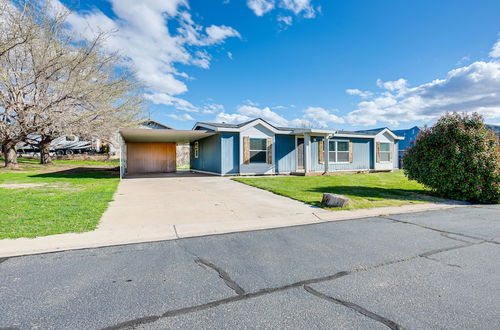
<point>307,151</point>
<point>326,147</point>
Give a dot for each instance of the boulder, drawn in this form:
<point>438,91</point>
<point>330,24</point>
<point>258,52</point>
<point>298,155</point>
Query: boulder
<point>332,200</point>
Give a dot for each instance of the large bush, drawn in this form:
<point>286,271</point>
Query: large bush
<point>458,158</point>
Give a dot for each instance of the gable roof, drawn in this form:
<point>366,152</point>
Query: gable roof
<point>373,131</point>
<point>237,127</point>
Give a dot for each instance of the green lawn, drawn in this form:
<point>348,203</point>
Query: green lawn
<point>364,190</point>
<point>36,203</point>
<point>34,161</point>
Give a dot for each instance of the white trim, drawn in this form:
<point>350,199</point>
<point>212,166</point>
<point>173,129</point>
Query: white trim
<point>258,150</point>
<point>351,170</point>
<point>314,131</point>
<point>336,151</point>
<point>261,122</point>
<point>354,136</point>
<point>196,149</point>
<point>387,152</point>
<point>252,123</point>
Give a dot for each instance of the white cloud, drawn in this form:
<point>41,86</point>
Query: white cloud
<point>178,103</point>
<point>230,55</point>
<point>141,34</point>
<point>183,117</point>
<point>297,7</point>
<point>392,85</point>
<point>286,20</point>
<point>321,117</point>
<point>313,117</point>
<point>217,34</point>
<point>230,118</point>
<point>495,51</point>
<point>265,113</point>
<point>212,108</point>
<point>260,7</point>
<point>360,93</point>
<point>472,88</point>
<point>250,102</point>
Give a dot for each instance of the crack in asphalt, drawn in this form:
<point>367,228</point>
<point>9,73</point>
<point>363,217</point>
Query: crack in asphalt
<point>149,319</point>
<point>442,231</point>
<point>443,263</point>
<point>454,238</point>
<point>223,275</point>
<point>436,251</point>
<point>391,324</point>
<point>186,310</point>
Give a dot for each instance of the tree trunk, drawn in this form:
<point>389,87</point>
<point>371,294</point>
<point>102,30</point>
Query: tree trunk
<point>10,155</point>
<point>44,147</point>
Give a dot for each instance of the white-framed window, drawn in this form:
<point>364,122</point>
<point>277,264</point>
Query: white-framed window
<point>196,149</point>
<point>338,151</point>
<point>385,152</point>
<point>258,150</point>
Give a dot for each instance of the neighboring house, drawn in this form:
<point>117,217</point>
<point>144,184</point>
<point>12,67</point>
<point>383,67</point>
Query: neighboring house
<point>257,147</point>
<point>153,125</point>
<point>495,128</point>
<point>410,136</point>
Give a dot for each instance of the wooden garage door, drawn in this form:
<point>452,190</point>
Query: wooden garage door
<point>150,157</point>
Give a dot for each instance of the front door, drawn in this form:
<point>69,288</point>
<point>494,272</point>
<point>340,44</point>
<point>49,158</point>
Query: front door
<point>300,153</point>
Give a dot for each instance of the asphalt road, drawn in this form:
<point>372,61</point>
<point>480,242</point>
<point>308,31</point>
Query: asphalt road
<point>429,270</point>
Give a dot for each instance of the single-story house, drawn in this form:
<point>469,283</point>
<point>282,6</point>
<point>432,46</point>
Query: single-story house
<point>257,147</point>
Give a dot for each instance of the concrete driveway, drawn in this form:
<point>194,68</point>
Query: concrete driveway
<point>188,198</point>
<point>171,206</point>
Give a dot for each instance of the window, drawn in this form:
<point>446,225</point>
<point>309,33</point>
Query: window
<point>258,150</point>
<point>385,152</point>
<point>339,152</point>
<point>196,149</point>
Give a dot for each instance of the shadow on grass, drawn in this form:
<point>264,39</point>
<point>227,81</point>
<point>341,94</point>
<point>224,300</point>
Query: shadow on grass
<point>377,194</point>
<point>82,172</point>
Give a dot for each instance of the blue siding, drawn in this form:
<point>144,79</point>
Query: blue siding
<point>316,166</point>
<point>230,148</point>
<point>410,136</point>
<point>209,156</point>
<point>362,155</point>
<point>285,153</point>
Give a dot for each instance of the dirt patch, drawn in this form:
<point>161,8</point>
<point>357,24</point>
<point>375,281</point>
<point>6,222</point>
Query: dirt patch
<point>21,185</point>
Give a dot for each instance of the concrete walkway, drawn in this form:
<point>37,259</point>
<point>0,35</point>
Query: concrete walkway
<point>163,207</point>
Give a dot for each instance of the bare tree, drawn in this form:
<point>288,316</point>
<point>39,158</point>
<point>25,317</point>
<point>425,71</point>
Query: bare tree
<point>52,83</point>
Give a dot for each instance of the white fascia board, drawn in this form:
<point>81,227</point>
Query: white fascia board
<point>263,123</point>
<point>314,131</point>
<point>354,136</point>
<point>394,136</point>
<point>213,128</point>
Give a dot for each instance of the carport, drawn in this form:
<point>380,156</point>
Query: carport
<point>153,150</point>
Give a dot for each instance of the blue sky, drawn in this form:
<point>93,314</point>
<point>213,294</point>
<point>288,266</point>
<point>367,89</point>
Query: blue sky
<point>338,64</point>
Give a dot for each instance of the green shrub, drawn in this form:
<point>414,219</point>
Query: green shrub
<point>458,158</point>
